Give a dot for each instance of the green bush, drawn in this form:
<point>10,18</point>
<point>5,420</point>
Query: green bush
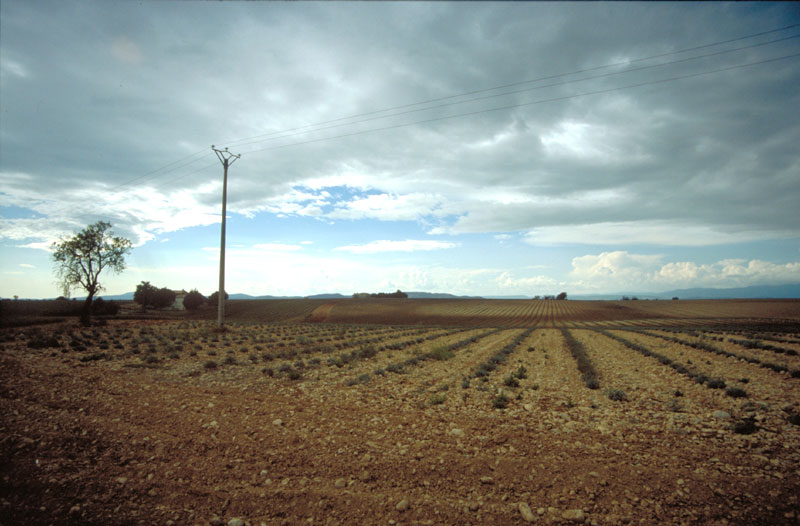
<point>618,395</point>
<point>193,300</point>
<point>213,299</point>
<point>500,401</point>
<point>437,399</point>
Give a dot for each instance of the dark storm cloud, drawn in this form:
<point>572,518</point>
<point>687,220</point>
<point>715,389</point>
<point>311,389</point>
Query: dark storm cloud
<point>95,95</point>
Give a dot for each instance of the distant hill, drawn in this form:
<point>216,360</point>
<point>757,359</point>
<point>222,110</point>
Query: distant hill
<point>437,295</point>
<point>334,296</point>
<point>791,291</point>
<point>754,292</point>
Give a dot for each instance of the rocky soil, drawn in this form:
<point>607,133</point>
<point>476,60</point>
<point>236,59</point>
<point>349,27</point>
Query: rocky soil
<point>130,424</point>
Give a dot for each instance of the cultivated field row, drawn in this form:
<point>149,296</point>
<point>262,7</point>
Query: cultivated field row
<point>450,366</point>
<point>330,423</point>
<point>568,314</point>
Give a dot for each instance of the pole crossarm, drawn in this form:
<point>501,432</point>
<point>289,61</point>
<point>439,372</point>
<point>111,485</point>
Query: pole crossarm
<point>226,158</point>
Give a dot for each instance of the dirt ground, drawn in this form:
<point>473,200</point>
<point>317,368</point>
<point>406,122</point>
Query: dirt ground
<point>130,424</point>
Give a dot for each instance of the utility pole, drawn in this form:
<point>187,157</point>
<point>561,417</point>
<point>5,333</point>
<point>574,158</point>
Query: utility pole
<point>227,159</point>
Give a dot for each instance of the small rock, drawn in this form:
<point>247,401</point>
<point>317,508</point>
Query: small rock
<point>75,510</point>
<point>541,511</point>
<point>216,521</point>
<point>277,422</point>
<point>721,414</point>
<point>487,480</point>
<point>526,512</point>
<point>264,472</point>
<point>122,480</point>
<point>457,432</point>
<point>340,483</point>
<point>236,522</point>
<point>402,505</point>
<point>574,515</point>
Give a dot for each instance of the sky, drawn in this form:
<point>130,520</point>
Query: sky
<point>491,149</point>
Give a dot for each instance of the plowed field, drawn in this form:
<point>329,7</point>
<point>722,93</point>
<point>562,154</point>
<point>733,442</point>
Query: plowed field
<point>442,412</point>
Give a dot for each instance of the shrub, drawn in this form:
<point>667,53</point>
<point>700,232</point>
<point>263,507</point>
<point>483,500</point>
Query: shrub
<point>521,373</point>
<point>210,364</point>
<point>294,374</point>
<point>618,395</point>
<point>794,419</point>
<point>441,353</point>
<point>736,392</point>
<point>213,299</point>
<point>716,383</point>
<point>500,401</point>
<point>511,381</point>
<point>585,366</point>
<point>437,399</point>
<point>40,340</point>
<point>147,295</point>
<point>101,307</point>
<point>745,426</point>
<point>193,300</point>
<point>93,357</point>
<point>675,405</point>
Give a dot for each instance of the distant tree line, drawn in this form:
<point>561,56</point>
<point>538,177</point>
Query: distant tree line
<point>560,296</point>
<point>147,295</point>
<point>398,294</point>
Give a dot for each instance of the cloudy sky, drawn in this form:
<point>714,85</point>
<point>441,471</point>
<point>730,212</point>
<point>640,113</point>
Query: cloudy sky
<point>471,148</point>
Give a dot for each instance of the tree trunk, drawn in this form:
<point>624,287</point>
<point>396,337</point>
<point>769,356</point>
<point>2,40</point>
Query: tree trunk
<point>86,319</point>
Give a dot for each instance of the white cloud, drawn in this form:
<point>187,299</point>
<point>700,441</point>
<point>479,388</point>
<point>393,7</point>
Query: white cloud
<point>409,245</point>
<point>665,233</point>
<point>26,265</point>
<point>12,67</point>
<point>623,271</point>
<point>386,207</point>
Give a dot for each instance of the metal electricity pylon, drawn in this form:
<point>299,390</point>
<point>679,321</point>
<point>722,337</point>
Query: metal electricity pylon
<point>227,159</point>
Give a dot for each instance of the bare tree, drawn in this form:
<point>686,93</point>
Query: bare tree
<point>80,260</point>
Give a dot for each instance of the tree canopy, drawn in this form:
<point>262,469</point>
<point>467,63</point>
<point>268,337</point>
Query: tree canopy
<point>80,260</point>
<point>147,295</point>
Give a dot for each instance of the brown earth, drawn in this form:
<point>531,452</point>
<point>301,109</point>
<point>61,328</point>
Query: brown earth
<point>130,423</point>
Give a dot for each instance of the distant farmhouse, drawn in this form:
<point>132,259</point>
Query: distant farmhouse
<point>178,303</point>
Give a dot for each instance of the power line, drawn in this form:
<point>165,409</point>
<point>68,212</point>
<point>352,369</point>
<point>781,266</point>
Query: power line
<point>542,101</point>
<point>193,158</point>
<point>158,172</point>
<point>485,97</point>
<point>539,79</point>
